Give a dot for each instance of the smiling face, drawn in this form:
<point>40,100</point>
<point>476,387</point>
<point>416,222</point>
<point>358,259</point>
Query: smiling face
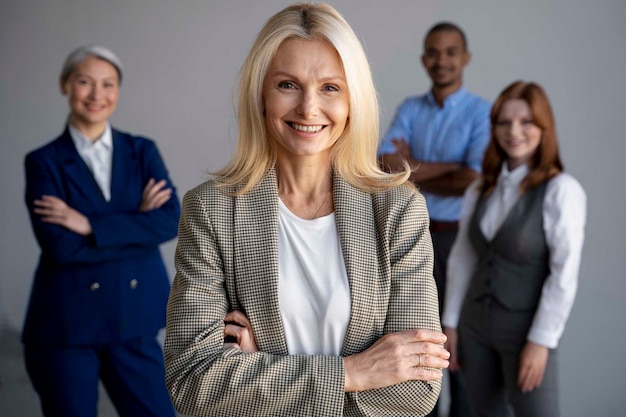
<point>306,99</point>
<point>516,132</point>
<point>444,58</point>
<point>92,90</point>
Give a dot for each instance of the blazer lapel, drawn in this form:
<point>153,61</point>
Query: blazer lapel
<point>256,267</point>
<point>77,171</point>
<point>124,159</point>
<point>256,262</point>
<point>356,225</point>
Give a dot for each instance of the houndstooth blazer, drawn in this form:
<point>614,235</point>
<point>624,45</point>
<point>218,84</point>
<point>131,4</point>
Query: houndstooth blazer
<point>227,259</point>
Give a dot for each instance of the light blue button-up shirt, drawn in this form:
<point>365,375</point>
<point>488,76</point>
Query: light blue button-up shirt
<point>457,132</point>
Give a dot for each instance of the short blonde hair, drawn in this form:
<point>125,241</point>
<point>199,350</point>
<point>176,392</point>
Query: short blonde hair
<point>354,154</point>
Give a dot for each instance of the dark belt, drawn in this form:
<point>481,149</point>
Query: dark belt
<point>437,226</point>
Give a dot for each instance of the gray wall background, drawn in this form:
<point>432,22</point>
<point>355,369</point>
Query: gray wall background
<point>181,59</point>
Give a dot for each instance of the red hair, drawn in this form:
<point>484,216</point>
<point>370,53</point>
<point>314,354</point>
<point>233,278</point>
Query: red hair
<point>546,162</point>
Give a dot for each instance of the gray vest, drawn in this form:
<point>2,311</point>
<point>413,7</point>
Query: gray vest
<point>514,265</point>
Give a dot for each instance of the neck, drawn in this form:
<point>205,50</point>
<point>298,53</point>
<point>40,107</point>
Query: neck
<point>441,92</point>
<point>92,131</point>
<point>305,190</point>
<point>303,176</point>
<point>512,164</point>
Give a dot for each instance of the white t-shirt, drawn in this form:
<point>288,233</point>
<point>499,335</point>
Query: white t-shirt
<point>313,288</point>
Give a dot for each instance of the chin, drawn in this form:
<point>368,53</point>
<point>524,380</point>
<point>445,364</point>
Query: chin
<point>443,83</point>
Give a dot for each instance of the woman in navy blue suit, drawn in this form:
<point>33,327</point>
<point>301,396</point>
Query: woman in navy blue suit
<point>100,203</point>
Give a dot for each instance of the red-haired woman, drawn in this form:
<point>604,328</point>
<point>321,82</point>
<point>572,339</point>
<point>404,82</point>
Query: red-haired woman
<point>513,270</point>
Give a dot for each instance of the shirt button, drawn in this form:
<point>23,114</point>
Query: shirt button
<point>133,283</point>
<point>94,286</point>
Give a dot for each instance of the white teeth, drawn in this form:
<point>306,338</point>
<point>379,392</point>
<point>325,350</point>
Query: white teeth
<point>308,129</point>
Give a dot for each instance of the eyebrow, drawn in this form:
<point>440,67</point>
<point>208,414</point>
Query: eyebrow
<point>446,48</point>
<point>293,77</point>
<point>82,74</point>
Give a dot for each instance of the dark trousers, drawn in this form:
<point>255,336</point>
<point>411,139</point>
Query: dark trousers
<point>491,339</point>
<point>459,402</point>
<point>132,372</point>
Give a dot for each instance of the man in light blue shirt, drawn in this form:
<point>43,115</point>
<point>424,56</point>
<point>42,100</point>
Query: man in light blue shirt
<point>442,135</point>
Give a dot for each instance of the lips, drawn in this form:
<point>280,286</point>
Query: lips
<point>438,69</point>
<point>92,108</point>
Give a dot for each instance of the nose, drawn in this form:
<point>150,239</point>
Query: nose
<point>95,92</point>
<point>441,59</point>
<point>308,105</point>
<point>516,128</point>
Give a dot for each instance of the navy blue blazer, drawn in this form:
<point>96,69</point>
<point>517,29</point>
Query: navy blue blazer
<point>112,285</point>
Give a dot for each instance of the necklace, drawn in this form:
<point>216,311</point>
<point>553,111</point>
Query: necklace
<point>321,205</point>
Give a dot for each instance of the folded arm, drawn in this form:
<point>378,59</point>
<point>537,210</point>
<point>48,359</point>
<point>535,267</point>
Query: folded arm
<point>412,312</point>
<point>205,378</point>
<point>198,364</point>
<point>67,235</point>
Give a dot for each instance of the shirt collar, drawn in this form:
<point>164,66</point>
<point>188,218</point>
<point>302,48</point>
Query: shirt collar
<point>513,177</point>
<point>452,100</point>
<point>83,142</point>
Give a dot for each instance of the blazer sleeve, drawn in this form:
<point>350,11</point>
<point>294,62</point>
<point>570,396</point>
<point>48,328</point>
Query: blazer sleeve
<point>413,304</point>
<point>204,379</point>
<point>115,235</point>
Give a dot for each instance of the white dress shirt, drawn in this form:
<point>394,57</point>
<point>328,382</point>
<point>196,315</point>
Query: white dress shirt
<point>98,156</point>
<point>313,288</point>
<point>564,214</point>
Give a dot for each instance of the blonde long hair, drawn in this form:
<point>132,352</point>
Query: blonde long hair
<point>354,155</point>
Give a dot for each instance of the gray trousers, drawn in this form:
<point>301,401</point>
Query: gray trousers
<point>491,339</point>
<point>459,403</point>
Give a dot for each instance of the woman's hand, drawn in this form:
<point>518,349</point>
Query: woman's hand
<point>54,210</point>
<point>532,365</point>
<point>415,354</point>
<point>238,327</point>
<point>452,345</point>
<point>154,195</point>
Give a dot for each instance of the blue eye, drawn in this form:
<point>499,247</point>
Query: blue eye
<point>331,88</point>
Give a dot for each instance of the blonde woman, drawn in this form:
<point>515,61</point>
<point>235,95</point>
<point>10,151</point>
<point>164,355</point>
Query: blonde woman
<point>317,264</point>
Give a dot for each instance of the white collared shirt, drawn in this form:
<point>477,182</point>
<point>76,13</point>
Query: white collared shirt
<point>564,214</point>
<point>98,156</point>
